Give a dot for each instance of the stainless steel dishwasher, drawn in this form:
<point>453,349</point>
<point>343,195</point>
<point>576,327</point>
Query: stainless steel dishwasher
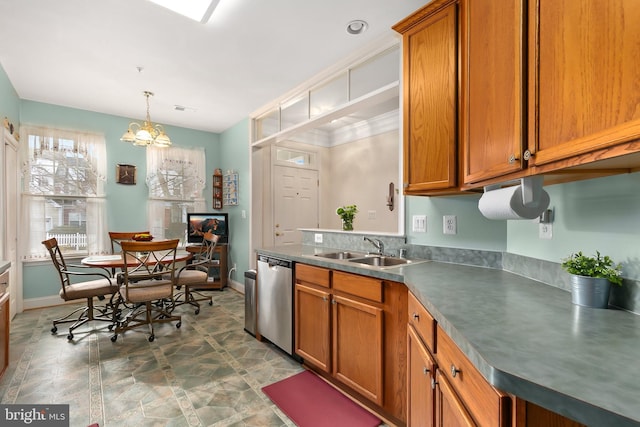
<point>275,301</point>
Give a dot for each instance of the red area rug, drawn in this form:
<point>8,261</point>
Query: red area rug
<point>311,402</point>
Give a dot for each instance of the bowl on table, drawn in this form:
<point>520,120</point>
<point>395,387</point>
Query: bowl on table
<point>142,237</point>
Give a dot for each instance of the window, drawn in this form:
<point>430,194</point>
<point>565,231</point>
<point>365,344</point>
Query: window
<point>176,178</point>
<point>63,195</point>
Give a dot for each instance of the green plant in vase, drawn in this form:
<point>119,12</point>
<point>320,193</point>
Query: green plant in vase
<point>591,278</point>
<point>347,214</point>
<point>598,266</point>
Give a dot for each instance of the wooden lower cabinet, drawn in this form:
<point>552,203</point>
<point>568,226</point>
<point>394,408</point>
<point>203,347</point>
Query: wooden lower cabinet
<point>312,325</point>
<point>487,405</point>
<point>357,346</point>
<point>5,319</point>
<point>420,381</point>
<point>450,410</point>
<point>352,330</point>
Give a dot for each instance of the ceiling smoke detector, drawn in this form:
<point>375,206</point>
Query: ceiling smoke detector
<point>357,27</point>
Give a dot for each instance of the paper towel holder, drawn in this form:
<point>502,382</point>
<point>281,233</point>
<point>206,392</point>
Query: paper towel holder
<point>531,189</point>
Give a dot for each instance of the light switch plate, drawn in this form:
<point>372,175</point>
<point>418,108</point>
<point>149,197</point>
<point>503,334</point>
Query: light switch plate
<point>419,223</point>
<point>318,237</point>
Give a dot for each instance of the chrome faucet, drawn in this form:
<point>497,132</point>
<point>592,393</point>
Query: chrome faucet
<point>377,243</point>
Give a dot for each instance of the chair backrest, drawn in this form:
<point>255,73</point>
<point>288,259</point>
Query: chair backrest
<point>58,262</point>
<point>209,240</point>
<point>118,236</point>
<point>149,263</point>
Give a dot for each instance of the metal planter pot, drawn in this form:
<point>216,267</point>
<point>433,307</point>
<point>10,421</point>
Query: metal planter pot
<point>590,291</point>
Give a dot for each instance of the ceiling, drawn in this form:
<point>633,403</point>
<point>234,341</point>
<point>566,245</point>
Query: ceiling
<point>86,53</point>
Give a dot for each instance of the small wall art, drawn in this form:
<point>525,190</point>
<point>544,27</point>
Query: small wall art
<point>126,174</point>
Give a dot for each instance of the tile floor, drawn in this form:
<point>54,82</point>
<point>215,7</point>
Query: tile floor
<point>207,373</point>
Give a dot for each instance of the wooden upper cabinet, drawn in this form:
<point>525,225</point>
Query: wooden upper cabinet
<point>584,67</point>
<point>493,86</point>
<point>430,97</point>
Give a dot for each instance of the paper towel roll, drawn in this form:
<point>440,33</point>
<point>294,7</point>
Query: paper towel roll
<point>506,203</point>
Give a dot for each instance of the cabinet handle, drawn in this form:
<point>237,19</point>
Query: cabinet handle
<point>512,159</point>
<point>325,298</point>
<point>333,301</point>
<point>425,370</point>
<point>454,370</point>
<point>527,155</point>
<point>433,383</point>
<point>416,316</point>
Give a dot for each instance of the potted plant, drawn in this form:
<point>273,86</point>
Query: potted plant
<point>347,214</point>
<point>591,278</point>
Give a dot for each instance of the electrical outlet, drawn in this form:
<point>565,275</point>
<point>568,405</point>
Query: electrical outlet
<point>545,231</point>
<point>234,265</point>
<point>419,223</point>
<point>449,224</point>
<point>318,237</point>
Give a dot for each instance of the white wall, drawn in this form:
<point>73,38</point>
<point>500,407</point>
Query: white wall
<point>360,173</point>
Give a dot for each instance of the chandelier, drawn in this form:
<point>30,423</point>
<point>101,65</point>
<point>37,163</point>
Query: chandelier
<point>148,133</point>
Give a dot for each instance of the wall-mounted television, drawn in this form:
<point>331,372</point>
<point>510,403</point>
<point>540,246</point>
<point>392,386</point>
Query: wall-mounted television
<point>200,223</point>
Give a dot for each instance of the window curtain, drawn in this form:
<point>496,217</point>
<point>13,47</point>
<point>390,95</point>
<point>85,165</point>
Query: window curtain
<point>82,156</point>
<point>176,178</point>
<point>45,141</point>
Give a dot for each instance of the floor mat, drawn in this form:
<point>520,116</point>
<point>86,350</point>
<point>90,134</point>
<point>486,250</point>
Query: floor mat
<point>310,402</point>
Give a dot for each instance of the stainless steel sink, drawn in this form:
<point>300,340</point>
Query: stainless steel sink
<point>381,261</point>
<point>341,255</point>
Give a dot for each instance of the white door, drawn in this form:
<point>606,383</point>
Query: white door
<point>295,203</point>
<point>11,205</point>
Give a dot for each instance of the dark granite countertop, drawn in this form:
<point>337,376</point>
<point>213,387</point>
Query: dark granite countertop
<point>524,336</point>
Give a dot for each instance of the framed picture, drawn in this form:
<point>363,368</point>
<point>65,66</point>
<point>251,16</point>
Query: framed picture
<point>126,174</point>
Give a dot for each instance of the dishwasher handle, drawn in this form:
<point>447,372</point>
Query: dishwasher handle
<point>275,262</point>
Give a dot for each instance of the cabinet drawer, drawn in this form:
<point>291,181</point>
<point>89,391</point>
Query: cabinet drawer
<point>360,286</point>
<point>314,275</point>
<point>423,323</point>
<point>488,406</point>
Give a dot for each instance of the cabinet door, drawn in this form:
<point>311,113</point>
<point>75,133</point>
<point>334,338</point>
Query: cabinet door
<point>493,86</point>
<point>430,64</point>
<point>357,346</point>
<point>312,326</point>
<point>450,411</point>
<point>420,393</point>
<point>585,94</point>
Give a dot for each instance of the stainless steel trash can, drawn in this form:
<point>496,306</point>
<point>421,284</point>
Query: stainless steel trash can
<point>250,314</point>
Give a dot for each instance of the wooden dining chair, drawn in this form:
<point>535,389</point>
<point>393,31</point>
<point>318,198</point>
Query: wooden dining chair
<point>102,287</point>
<point>118,236</point>
<point>147,285</point>
<point>198,274</point>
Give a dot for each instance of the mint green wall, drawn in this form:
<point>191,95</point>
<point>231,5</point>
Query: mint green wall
<point>599,214</point>
<point>235,155</point>
<point>9,100</point>
<point>474,230</point>
<point>126,204</point>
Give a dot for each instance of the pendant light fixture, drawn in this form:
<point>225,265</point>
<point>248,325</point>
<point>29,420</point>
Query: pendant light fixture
<point>148,133</point>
